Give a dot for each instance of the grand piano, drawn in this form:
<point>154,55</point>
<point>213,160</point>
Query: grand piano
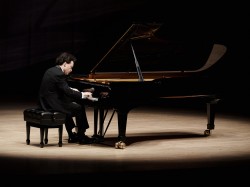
<point>148,62</point>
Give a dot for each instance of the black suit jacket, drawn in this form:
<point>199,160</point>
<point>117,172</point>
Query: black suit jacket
<point>55,93</point>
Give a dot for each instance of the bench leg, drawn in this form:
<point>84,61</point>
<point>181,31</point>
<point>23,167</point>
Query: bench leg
<point>43,134</point>
<point>41,137</point>
<point>46,135</point>
<point>27,133</point>
<point>60,132</point>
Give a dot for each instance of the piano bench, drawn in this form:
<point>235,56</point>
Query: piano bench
<point>36,117</point>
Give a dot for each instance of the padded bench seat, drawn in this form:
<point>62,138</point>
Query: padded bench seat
<point>36,117</point>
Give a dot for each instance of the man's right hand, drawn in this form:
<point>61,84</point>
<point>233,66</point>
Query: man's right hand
<point>86,95</point>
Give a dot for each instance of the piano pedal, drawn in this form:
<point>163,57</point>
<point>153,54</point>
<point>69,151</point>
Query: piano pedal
<point>97,139</point>
<point>120,145</point>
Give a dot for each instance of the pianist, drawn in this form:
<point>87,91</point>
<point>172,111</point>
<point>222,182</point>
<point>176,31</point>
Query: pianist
<point>55,94</point>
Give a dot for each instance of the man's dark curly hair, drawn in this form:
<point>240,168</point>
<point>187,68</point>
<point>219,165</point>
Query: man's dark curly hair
<point>65,57</point>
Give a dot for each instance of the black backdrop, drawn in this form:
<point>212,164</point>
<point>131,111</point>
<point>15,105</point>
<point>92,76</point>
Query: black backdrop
<point>34,32</point>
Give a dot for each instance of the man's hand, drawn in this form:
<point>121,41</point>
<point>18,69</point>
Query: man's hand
<point>86,95</point>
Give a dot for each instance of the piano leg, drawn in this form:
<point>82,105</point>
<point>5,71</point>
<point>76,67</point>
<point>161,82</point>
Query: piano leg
<point>210,116</point>
<point>122,124</point>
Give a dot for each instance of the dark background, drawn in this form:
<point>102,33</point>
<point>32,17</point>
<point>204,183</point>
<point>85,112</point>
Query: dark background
<point>34,32</point>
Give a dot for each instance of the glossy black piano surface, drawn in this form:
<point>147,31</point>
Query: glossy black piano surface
<point>148,62</point>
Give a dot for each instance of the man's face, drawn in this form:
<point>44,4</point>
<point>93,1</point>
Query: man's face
<point>68,67</point>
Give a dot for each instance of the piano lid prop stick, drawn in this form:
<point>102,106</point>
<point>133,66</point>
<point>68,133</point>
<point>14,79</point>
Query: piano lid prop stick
<point>137,65</point>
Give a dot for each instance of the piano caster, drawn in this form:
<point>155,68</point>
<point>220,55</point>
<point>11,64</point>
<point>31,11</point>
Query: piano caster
<point>120,145</point>
<point>207,132</point>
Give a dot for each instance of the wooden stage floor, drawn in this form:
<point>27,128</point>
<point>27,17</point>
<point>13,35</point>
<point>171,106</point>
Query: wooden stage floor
<point>163,144</point>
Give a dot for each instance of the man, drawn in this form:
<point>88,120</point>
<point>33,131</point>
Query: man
<point>56,95</point>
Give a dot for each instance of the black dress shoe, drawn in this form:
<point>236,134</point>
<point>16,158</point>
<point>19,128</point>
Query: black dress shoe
<point>73,138</point>
<point>85,140</point>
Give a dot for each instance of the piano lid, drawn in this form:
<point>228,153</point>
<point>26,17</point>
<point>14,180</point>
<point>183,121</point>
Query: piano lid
<point>156,49</point>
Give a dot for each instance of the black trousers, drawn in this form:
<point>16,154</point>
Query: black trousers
<point>81,121</point>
